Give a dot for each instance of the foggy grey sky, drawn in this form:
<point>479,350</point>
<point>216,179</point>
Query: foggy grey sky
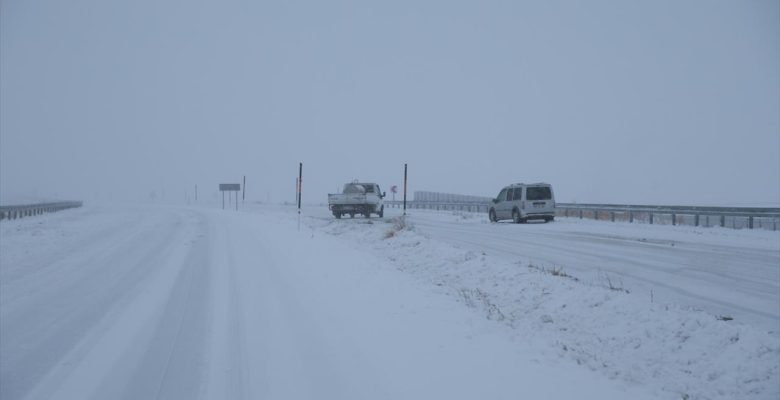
<point>654,102</point>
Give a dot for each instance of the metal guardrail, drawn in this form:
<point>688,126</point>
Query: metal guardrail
<point>727,217</point>
<point>28,210</point>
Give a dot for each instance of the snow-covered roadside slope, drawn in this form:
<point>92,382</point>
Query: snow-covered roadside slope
<point>184,303</point>
<point>675,350</point>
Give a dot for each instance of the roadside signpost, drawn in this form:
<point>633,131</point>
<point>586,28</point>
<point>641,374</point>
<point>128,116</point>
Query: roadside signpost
<point>394,190</point>
<point>404,189</point>
<point>229,187</point>
<point>299,187</point>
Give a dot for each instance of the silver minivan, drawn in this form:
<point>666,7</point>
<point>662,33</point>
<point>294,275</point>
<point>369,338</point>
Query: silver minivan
<point>522,202</point>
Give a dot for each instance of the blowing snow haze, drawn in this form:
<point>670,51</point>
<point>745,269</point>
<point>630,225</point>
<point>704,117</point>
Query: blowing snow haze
<point>662,102</point>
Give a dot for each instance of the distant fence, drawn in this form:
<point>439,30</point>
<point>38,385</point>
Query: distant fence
<point>28,210</point>
<point>727,217</point>
<point>436,197</point>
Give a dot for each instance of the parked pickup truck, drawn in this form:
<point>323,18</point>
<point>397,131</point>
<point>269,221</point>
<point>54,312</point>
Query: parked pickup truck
<point>357,198</point>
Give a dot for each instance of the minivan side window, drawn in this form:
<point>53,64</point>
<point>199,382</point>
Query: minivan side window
<point>502,196</point>
<point>509,194</point>
<point>518,194</point>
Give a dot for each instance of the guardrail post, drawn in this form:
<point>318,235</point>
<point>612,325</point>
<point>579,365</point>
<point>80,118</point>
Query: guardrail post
<point>580,213</point>
<point>651,218</point>
<point>722,221</point>
<point>612,215</point>
<point>750,222</point>
<point>630,217</point>
<point>696,220</point>
<point>674,219</point>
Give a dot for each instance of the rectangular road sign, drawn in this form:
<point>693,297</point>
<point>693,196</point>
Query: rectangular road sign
<point>230,187</point>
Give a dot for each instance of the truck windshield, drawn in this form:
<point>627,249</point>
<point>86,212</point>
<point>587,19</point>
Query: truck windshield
<point>538,193</point>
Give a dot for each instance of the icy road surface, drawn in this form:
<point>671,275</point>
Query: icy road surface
<point>185,303</point>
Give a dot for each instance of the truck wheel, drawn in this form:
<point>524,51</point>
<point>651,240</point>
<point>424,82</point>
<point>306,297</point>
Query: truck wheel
<point>337,215</point>
<point>352,215</point>
<point>382,212</point>
<point>492,216</point>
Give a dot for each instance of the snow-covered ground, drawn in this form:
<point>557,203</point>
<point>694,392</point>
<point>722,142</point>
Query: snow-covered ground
<point>196,302</point>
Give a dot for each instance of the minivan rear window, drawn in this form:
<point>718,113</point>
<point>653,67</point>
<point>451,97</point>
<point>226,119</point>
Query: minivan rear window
<point>538,193</point>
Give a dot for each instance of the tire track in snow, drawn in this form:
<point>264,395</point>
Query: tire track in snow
<point>62,307</point>
<point>172,363</point>
<point>227,365</point>
<point>123,320</point>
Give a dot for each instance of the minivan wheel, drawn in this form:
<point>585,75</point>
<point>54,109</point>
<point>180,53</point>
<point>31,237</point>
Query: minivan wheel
<point>516,217</point>
<point>492,216</point>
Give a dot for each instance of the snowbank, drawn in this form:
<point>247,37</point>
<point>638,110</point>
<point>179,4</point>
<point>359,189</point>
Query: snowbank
<point>598,324</point>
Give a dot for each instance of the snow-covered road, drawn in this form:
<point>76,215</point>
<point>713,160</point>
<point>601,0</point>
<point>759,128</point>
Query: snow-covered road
<point>724,271</point>
<point>184,303</point>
